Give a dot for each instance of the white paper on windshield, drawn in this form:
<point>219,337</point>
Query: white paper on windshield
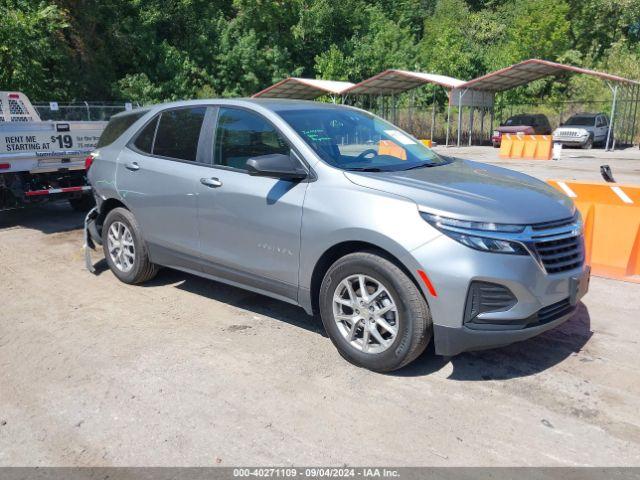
<point>399,136</point>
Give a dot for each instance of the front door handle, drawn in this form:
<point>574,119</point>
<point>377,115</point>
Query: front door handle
<point>133,166</point>
<point>211,182</point>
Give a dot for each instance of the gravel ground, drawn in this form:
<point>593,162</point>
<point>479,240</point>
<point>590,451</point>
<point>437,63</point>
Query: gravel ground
<point>186,371</point>
<point>574,164</point>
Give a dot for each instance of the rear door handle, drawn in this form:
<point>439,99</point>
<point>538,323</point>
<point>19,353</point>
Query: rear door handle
<point>211,182</point>
<point>133,166</point>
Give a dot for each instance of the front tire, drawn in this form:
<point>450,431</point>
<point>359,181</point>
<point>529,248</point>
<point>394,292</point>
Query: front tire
<point>125,249</point>
<point>588,145</point>
<point>373,313</point>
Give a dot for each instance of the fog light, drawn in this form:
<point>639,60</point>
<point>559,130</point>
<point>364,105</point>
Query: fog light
<point>486,297</point>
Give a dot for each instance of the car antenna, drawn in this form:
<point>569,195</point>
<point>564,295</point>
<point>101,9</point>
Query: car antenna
<point>605,171</point>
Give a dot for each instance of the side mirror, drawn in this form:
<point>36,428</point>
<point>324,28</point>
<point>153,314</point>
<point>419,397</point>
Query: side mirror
<point>276,165</point>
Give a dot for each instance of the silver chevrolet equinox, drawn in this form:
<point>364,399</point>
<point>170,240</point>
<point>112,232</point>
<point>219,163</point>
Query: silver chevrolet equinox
<point>336,210</point>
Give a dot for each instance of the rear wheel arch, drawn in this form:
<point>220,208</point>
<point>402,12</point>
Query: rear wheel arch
<point>339,250</point>
<point>105,207</point>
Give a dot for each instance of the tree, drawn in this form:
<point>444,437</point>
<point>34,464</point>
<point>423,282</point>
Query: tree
<point>33,53</point>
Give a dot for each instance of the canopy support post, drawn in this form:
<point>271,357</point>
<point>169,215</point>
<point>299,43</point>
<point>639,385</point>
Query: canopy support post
<point>471,115</point>
<point>492,113</point>
<point>613,116</point>
<point>412,98</point>
<point>624,124</point>
<point>636,90</point>
<point>460,95</point>
<point>448,119</point>
<point>394,109</point>
<point>433,112</point>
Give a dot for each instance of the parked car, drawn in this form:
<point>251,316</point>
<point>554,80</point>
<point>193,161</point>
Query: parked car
<point>530,124</point>
<point>295,200</point>
<point>583,130</point>
<point>42,161</point>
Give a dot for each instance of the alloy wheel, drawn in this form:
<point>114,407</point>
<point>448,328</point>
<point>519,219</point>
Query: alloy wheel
<point>365,313</point>
<point>121,247</point>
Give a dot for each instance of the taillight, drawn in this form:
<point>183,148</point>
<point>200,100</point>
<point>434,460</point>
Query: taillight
<point>88,162</point>
<point>5,166</point>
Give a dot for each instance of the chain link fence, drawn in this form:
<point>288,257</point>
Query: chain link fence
<point>81,111</point>
<point>430,121</point>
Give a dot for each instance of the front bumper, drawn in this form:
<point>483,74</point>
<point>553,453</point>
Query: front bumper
<point>571,141</point>
<point>454,340</point>
<point>452,267</point>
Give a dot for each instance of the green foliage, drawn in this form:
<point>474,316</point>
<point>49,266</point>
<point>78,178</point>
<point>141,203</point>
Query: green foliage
<point>156,50</point>
<point>32,48</point>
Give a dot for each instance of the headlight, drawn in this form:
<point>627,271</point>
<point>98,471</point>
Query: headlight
<point>477,235</point>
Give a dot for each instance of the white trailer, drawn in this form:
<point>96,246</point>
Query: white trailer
<point>42,161</point>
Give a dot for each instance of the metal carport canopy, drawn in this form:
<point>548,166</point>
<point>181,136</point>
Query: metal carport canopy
<point>395,81</point>
<point>530,70</point>
<point>535,68</point>
<point>304,88</point>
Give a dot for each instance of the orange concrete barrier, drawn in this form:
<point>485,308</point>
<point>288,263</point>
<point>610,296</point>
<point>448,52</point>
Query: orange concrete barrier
<point>611,215</point>
<point>518,146</point>
<point>528,147</point>
<point>427,143</point>
<point>506,143</point>
<point>544,147</point>
<point>387,147</point>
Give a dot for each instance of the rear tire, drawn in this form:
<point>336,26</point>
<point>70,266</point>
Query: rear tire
<point>409,318</point>
<point>125,249</point>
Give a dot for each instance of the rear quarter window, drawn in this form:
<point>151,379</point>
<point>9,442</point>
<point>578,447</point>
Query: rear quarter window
<point>178,133</point>
<point>117,126</point>
<point>144,139</point>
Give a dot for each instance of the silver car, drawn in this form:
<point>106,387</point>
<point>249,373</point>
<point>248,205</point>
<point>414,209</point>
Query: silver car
<point>335,210</point>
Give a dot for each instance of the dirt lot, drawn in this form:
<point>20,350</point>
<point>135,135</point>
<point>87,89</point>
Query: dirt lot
<point>185,371</point>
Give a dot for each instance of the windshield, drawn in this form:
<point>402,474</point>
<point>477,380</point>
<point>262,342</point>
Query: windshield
<point>581,120</point>
<point>354,140</point>
<point>519,120</point>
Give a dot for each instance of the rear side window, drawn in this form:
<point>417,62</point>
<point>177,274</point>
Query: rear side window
<point>144,140</point>
<point>178,133</point>
<point>117,126</point>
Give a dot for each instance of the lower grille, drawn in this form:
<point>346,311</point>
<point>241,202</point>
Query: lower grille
<point>561,255</point>
<point>550,313</point>
<point>543,316</point>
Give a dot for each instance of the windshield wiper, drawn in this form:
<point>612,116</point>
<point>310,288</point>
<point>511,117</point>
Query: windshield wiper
<point>422,165</point>
<point>365,169</point>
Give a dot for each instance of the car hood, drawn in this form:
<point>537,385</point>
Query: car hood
<point>473,191</point>
<point>514,128</point>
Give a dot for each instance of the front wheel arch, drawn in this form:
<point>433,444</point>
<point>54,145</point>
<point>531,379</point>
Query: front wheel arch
<point>332,254</point>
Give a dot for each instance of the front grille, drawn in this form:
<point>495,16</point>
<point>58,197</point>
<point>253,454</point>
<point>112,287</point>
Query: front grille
<point>553,224</point>
<point>561,255</point>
